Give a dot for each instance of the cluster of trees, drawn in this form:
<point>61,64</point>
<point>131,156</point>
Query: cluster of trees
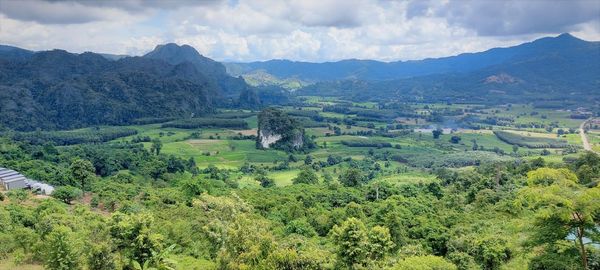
<point>193,123</point>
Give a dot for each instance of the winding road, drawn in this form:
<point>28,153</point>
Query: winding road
<point>584,139</point>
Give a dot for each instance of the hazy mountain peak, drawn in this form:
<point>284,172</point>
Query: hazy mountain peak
<point>567,36</point>
<point>176,54</point>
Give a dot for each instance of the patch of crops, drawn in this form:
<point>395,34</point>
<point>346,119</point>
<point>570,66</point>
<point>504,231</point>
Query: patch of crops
<point>529,142</point>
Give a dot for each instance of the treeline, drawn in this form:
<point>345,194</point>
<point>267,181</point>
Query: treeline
<point>193,123</point>
<point>92,135</point>
<point>529,142</point>
<point>366,143</point>
<point>151,120</point>
<point>234,115</point>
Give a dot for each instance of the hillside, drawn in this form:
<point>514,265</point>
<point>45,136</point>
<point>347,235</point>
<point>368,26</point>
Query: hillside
<point>213,70</point>
<point>58,89</point>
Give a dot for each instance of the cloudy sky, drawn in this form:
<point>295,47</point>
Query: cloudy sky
<point>307,30</point>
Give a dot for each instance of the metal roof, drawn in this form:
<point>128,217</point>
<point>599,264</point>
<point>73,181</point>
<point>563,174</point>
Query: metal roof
<point>15,180</point>
<point>7,173</point>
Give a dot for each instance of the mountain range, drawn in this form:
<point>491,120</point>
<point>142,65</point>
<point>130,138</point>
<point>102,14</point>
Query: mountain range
<point>562,45</point>
<point>557,72</point>
<point>58,90</point>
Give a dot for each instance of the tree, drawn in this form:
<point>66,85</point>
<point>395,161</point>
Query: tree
<point>100,257</point>
<point>515,148</point>
<point>352,177</point>
<point>308,160</point>
<point>191,166</point>
<point>455,139</point>
<point>436,133</point>
<point>306,176</point>
<point>59,250</point>
<point>352,242</point>
<point>380,242</point>
<point>492,252</point>
<point>563,207</point>
<point>156,146</point>
<point>82,172</point>
<point>154,168</point>
<point>427,262</point>
<point>265,181</point>
<point>134,237</point>
<point>67,193</point>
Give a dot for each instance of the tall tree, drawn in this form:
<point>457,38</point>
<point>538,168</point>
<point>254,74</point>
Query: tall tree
<point>82,172</point>
<point>352,242</point>
<point>564,209</point>
<point>156,146</point>
<point>306,176</point>
<point>60,252</point>
<point>352,177</point>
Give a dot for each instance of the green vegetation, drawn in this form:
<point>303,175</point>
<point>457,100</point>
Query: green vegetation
<point>368,194</point>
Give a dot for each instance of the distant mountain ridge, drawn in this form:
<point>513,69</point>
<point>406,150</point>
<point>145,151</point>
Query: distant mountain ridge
<point>555,72</point>
<point>376,70</point>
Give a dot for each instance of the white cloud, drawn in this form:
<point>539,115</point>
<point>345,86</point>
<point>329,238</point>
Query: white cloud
<point>309,30</point>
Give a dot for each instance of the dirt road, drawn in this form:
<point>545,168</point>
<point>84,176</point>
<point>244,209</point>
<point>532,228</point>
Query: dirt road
<point>584,139</point>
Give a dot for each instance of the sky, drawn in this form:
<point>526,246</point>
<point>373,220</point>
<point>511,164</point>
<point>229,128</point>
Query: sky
<point>301,30</point>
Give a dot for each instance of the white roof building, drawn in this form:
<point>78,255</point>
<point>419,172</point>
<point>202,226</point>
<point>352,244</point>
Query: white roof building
<point>11,179</point>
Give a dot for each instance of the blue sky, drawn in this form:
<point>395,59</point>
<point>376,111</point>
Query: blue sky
<point>306,30</point>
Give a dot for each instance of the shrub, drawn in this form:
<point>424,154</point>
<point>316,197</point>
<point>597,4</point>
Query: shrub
<point>67,193</point>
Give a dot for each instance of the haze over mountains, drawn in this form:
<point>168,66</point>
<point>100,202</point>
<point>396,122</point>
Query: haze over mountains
<point>58,89</point>
<point>564,45</point>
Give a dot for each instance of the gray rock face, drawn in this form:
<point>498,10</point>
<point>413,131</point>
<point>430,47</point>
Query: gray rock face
<point>267,138</point>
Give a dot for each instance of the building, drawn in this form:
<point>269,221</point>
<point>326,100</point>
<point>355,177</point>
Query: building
<point>40,188</point>
<point>11,179</point>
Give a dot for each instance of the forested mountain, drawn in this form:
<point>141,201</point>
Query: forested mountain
<point>10,52</point>
<point>58,89</point>
<point>213,70</point>
<point>557,70</point>
<point>564,45</point>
